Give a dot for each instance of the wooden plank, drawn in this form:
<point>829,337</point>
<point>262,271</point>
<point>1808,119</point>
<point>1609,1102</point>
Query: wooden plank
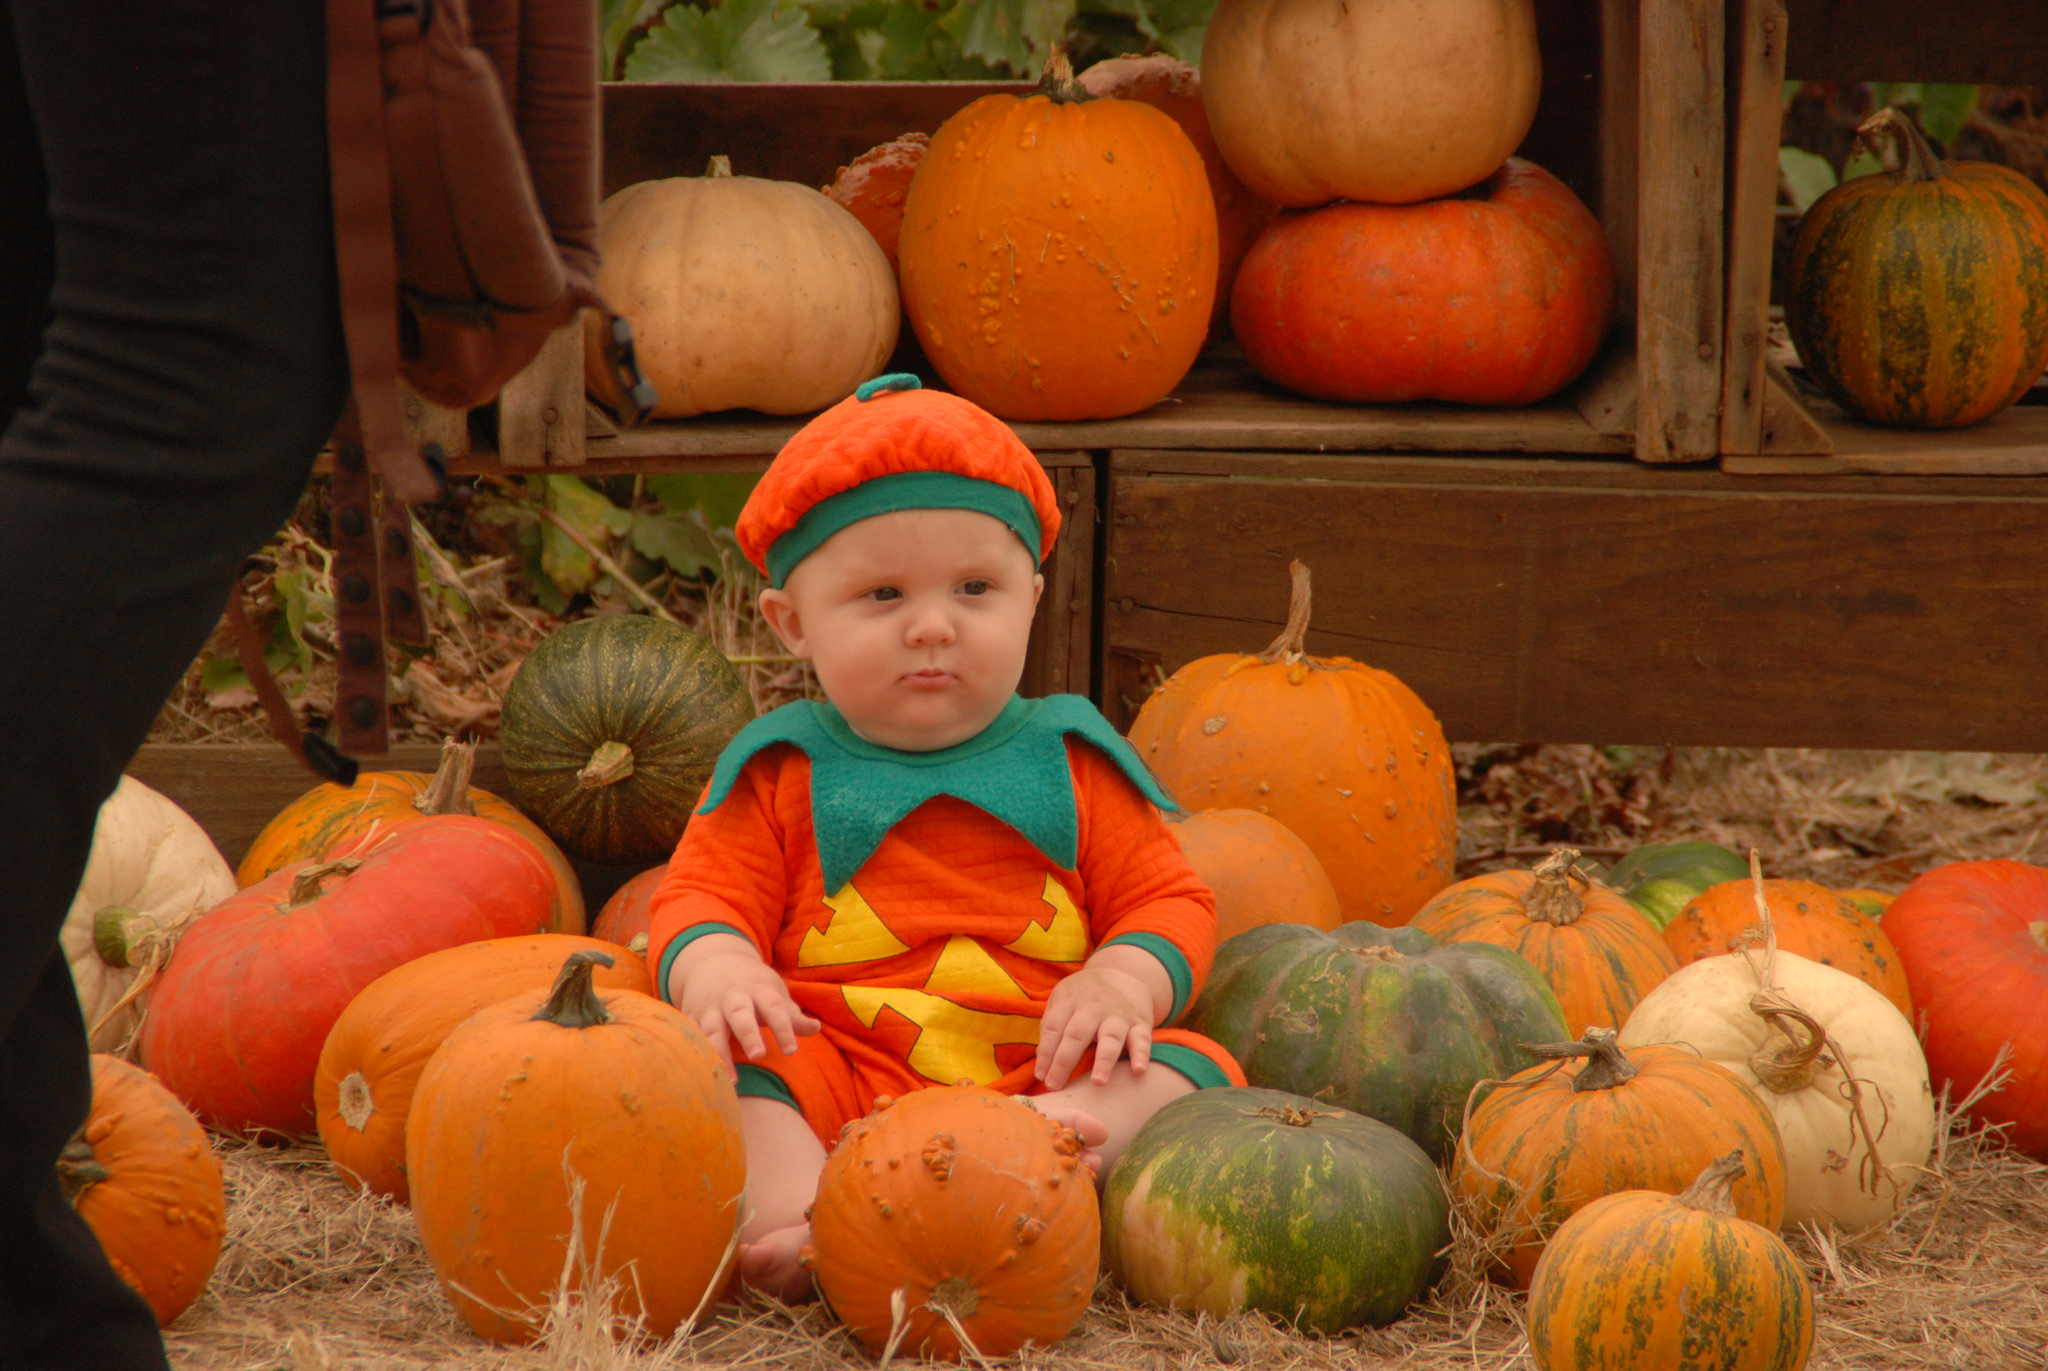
<point>2003,42</point>
<point>1620,144</point>
<point>1732,616</point>
<point>2012,443</point>
<point>1679,299</point>
<point>1062,635</point>
<point>540,411</point>
<point>1788,425</point>
<point>427,422</point>
<point>1757,78</point>
<point>1605,396</point>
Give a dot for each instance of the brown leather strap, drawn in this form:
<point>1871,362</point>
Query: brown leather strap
<point>318,755</point>
<point>358,606</point>
<point>398,576</point>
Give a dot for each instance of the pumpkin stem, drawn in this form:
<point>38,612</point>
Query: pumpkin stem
<point>1713,1192</point>
<point>2040,932</point>
<point>1287,647</point>
<point>608,765</point>
<point>1917,161</point>
<point>1057,82</point>
<point>1793,1066</point>
<point>448,792</point>
<point>118,931</point>
<point>78,1170</point>
<point>719,169</point>
<point>955,1293</point>
<point>1551,898</point>
<point>306,885</point>
<point>355,1104</point>
<point>1607,1066</point>
<point>574,1003</point>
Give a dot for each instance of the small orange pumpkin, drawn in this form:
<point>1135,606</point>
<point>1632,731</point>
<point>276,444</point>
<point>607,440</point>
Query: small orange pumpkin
<point>624,917</point>
<point>619,1092</point>
<point>143,1176</point>
<point>1813,922</point>
<point>374,1054</point>
<point>1343,754</point>
<point>1595,948</point>
<point>969,1203</point>
<point>874,186</point>
<point>326,816</point>
<point>1058,253</point>
<point>1547,1142</point>
<point>1260,872</point>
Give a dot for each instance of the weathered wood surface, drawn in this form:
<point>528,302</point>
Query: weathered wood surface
<point>1757,75</point>
<point>2004,42</point>
<point>2013,443</point>
<point>540,412</point>
<point>1621,44</point>
<point>1598,601</point>
<point>1062,656</point>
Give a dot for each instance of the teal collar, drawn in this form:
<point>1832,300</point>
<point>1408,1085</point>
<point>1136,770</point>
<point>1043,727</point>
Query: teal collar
<point>1015,769</point>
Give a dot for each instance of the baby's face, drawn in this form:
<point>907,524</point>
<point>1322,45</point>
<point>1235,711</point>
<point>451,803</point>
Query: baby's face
<point>916,623</point>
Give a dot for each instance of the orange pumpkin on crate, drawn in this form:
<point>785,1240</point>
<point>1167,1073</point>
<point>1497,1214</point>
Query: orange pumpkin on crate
<point>1595,948</point>
<point>1343,754</point>
<point>874,186</point>
<point>1259,871</point>
<point>1058,253</point>
<point>1813,922</point>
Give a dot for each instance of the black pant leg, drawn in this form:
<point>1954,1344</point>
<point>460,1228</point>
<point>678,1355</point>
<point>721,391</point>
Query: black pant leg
<point>192,366</point>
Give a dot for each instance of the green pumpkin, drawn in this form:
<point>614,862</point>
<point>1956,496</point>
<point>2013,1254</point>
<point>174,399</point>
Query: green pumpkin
<point>1382,1021</point>
<point>1231,1199</point>
<point>1659,878</point>
<point>610,730</point>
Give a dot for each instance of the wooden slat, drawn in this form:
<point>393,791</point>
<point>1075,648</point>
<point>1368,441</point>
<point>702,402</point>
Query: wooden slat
<point>1062,635</point>
<point>540,411</point>
<point>1620,145</point>
<point>1727,613</point>
<point>427,422</point>
<point>1679,299</point>
<point>2004,42</point>
<point>2014,443</point>
<point>1757,75</point>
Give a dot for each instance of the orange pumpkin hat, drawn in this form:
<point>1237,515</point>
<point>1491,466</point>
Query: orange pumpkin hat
<point>892,446</point>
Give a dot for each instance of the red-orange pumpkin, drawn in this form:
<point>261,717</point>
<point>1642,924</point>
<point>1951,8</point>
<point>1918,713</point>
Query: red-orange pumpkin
<point>1175,88</point>
<point>374,1054</point>
<point>874,186</point>
<point>966,1201</point>
<point>1260,872</point>
<point>1822,925</point>
<point>238,1017</point>
<point>1343,754</point>
<point>1497,296</point>
<point>143,1176</point>
<point>623,920</point>
<point>1595,948</point>
<point>1058,253</point>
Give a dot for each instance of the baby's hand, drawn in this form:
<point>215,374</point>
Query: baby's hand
<point>731,998</point>
<point>1096,1006</point>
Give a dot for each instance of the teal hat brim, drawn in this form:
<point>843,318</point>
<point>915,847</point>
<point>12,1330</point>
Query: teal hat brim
<point>893,494</point>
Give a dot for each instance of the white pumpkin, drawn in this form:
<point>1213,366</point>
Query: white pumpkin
<point>149,859</point>
<point>1707,1006</point>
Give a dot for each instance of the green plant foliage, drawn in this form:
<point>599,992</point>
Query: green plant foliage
<point>737,40</point>
<point>719,496</point>
<point>1808,175</point>
<point>1013,33</point>
<point>1941,108</point>
<point>1174,27</point>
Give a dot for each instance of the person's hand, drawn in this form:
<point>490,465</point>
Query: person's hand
<point>732,998</point>
<point>1097,1007</point>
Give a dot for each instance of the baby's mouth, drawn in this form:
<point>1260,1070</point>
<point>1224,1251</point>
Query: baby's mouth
<point>930,676</point>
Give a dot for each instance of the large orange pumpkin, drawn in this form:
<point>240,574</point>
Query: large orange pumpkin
<point>1813,922</point>
<point>237,1019</point>
<point>568,1113</point>
<point>1914,296</point>
<point>143,1176</point>
<point>1343,754</point>
<point>874,186</point>
<point>1058,253</point>
<point>1175,88</point>
<point>1260,872</point>
<point>374,1054</point>
<point>326,816</point>
<point>1595,948</point>
<point>967,1202</point>
<point>1497,297</point>
<point>1548,1142</point>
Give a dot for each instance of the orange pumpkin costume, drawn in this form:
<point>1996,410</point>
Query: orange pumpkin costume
<point>922,906</point>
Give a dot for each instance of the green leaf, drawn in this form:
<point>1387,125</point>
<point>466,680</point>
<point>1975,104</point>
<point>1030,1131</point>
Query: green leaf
<point>1862,162</point>
<point>595,517</point>
<point>1944,108</point>
<point>288,645</point>
<point>1016,34</point>
<point>739,40</point>
<point>1792,89</point>
<point>221,673</point>
<point>679,539</point>
<point>719,495</point>
<point>1808,175</point>
<point>619,25</point>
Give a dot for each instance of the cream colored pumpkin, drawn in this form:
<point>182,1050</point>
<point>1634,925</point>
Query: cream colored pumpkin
<point>1707,1006</point>
<point>742,293</point>
<point>154,866</point>
<point>1390,101</point>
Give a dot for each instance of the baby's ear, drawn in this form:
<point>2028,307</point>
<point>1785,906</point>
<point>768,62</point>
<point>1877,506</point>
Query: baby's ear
<point>1037,589</point>
<point>780,612</point>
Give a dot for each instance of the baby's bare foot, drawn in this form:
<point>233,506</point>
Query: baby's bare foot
<point>770,1265</point>
<point>1093,1131</point>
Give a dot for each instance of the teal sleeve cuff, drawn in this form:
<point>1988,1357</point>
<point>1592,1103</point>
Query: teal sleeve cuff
<point>1177,969</point>
<point>681,941</point>
<point>760,1083</point>
<point>1201,1071</point>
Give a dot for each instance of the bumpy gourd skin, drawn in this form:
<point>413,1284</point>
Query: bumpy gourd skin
<point>875,186</point>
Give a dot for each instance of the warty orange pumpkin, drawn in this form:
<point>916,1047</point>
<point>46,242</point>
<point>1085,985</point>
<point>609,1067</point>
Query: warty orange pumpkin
<point>874,186</point>
<point>1343,754</point>
<point>1258,870</point>
<point>566,1115</point>
<point>1058,253</point>
<point>1595,948</point>
<point>1811,921</point>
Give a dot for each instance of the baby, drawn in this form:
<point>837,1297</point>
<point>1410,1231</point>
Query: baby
<point>927,881</point>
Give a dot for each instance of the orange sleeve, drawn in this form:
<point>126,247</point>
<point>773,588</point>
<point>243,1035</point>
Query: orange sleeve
<point>730,873</point>
<point>1140,888</point>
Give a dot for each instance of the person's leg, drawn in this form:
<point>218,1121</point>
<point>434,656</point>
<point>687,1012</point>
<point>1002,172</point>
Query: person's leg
<point>1108,1116</point>
<point>784,1160</point>
<point>192,366</point>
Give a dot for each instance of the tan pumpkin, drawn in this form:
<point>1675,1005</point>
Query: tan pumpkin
<point>1390,101</point>
<point>742,293</point>
<point>1259,871</point>
<point>1595,948</point>
<point>151,871</point>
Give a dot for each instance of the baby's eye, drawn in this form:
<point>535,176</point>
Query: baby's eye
<point>885,593</point>
<point>974,587</point>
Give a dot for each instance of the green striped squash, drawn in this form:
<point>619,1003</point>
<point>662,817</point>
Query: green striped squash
<point>1919,298</point>
<point>1231,1199</point>
<point>1658,878</point>
<point>1381,1021</point>
<point>610,730</point>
